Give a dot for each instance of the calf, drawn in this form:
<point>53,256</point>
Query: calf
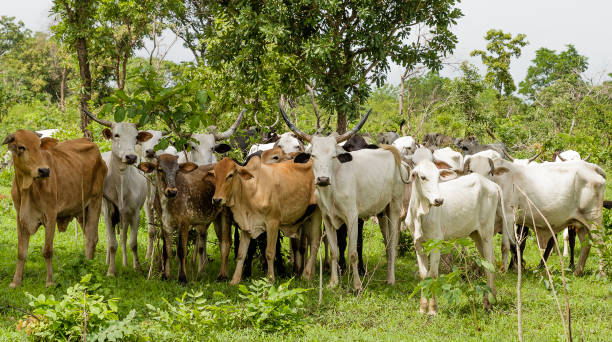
<point>185,195</point>
<point>266,198</point>
<point>54,183</point>
<point>458,208</point>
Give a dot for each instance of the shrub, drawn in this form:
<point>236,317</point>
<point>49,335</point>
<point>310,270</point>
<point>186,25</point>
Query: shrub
<point>81,313</point>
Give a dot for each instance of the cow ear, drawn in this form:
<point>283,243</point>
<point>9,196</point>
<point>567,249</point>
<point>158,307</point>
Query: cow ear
<point>9,139</point>
<point>302,158</point>
<point>500,171</point>
<point>371,146</point>
<point>146,167</point>
<point>187,167</point>
<point>245,174</point>
<point>143,136</point>
<point>345,157</point>
<point>48,143</point>
<point>107,133</point>
<point>442,165</point>
<point>222,148</point>
<point>446,175</point>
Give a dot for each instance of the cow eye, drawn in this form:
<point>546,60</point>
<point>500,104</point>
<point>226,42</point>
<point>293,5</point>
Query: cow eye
<point>229,176</point>
<point>423,178</point>
<point>21,148</point>
<point>116,135</point>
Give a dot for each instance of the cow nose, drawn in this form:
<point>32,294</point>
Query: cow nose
<point>171,192</point>
<point>44,172</point>
<point>150,153</point>
<point>438,202</point>
<point>131,158</point>
<point>323,181</point>
<point>216,201</point>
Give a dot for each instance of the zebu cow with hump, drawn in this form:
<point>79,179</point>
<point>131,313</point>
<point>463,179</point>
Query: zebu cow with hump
<point>54,183</point>
<point>466,206</point>
<point>185,194</point>
<point>353,185</point>
<point>125,188</point>
<point>268,198</point>
<point>569,193</point>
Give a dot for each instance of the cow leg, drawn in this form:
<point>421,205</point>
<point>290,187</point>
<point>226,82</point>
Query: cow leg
<point>314,236</point>
<point>223,230</point>
<point>181,251</point>
<point>566,241</point>
<point>23,241</point>
<point>352,256</point>
<point>90,227</point>
<point>135,220</point>
<point>236,240</point>
<point>423,263</point>
<point>571,237</point>
<point>361,265</point>
<point>111,238</point>
<point>279,266</point>
<point>271,245</point>
<point>47,251</point>
<point>341,235</point>
<point>166,253</point>
<point>485,249</point>
<point>549,246</point>
<point>251,251</point>
<point>333,248</point>
<point>242,252</point>
<point>585,246</point>
<point>295,244</point>
<point>434,262</point>
<point>522,232</point>
<point>124,224</point>
<point>200,248</point>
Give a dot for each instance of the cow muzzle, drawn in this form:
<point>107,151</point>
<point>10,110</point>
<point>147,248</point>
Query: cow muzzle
<point>217,201</point>
<point>323,181</point>
<point>438,202</point>
<point>130,159</point>
<point>170,192</point>
<point>44,172</point>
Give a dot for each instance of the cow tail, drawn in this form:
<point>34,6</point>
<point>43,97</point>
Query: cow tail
<point>398,161</point>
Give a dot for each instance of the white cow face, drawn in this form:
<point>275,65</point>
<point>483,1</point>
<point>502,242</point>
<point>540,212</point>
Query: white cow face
<point>425,178</point>
<point>325,153</point>
<point>405,145</point>
<point>148,147</point>
<point>289,143</point>
<point>483,166</point>
<point>202,153</point>
<point>124,136</point>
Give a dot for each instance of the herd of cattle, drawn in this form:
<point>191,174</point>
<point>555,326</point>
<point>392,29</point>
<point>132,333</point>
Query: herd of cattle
<point>294,183</point>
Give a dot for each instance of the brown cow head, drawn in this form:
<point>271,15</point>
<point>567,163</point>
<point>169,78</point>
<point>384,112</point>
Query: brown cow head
<point>25,146</point>
<point>276,155</point>
<point>227,174</point>
<point>167,168</point>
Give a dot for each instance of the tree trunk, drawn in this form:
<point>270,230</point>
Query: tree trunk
<point>63,89</point>
<point>83,56</point>
<point>341,122</point>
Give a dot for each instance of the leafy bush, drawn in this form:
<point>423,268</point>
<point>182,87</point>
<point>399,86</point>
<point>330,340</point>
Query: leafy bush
<point>405,244</point>
<point>273,309</point>
<point>80,314</point>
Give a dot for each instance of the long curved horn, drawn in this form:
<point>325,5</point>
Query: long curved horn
<point>491,165</point>
<point>355,129</point>
<point>508,155</point>
<point>534,157</point>
<point>587,157</point>
<point>466,166</point>
<point>102,122</point>
<point>292,127</point>
<point>562,159</point>
<point>232,128</point>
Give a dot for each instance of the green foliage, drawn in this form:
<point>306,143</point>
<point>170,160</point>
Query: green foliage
<point>12,34</point>
<point>501,47</point>
<point>273,309</point>
<point>81,312</point>
<point>405,244</point>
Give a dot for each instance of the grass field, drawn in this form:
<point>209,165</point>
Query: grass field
<point>381,313</point>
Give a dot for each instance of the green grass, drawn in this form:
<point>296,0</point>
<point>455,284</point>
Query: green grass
<point>382,312</point>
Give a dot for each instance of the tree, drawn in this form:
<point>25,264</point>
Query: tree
<point>11,34</point>
<point>339,48</point>
<point>465,92</point>
<point>550,66</point>
<point>190,20</point>
<point>501,47</point>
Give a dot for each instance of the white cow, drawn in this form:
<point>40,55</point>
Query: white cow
<point>405,145</point>
<point>356,185</point>
<point>447,158</point>
<point>203,152</point>
<point>289,143</point>
<point>569,193</point>
<point>466,206</point>
<point>125,188</point>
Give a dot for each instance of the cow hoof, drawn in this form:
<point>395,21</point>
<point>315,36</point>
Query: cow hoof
<point>234,282</point>
<point>222,278</point>
<point>14,285</point>
<point>110,274</point>
<point>432,313</point>
<point>578,272</point>
<point>182,280</point>
<point>50,284</point>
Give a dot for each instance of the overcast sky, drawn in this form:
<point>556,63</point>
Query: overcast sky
<point>547,23</point>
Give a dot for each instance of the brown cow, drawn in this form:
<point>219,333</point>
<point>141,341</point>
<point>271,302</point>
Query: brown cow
<point>185,195</point>
<point>268,197</point>
<point>54,182</point>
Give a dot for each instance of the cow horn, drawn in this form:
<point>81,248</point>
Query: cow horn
<point>491,165</point>
<point>292,127</point>
<point>508,155</point>
<point>587,157</point>
<point>534,157</point>
<point>267,127</point>
<point>102,122</point>
<point>562,159</point>
<point>355,129</point>
<point>230,130</point>
<point>466,166</point>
